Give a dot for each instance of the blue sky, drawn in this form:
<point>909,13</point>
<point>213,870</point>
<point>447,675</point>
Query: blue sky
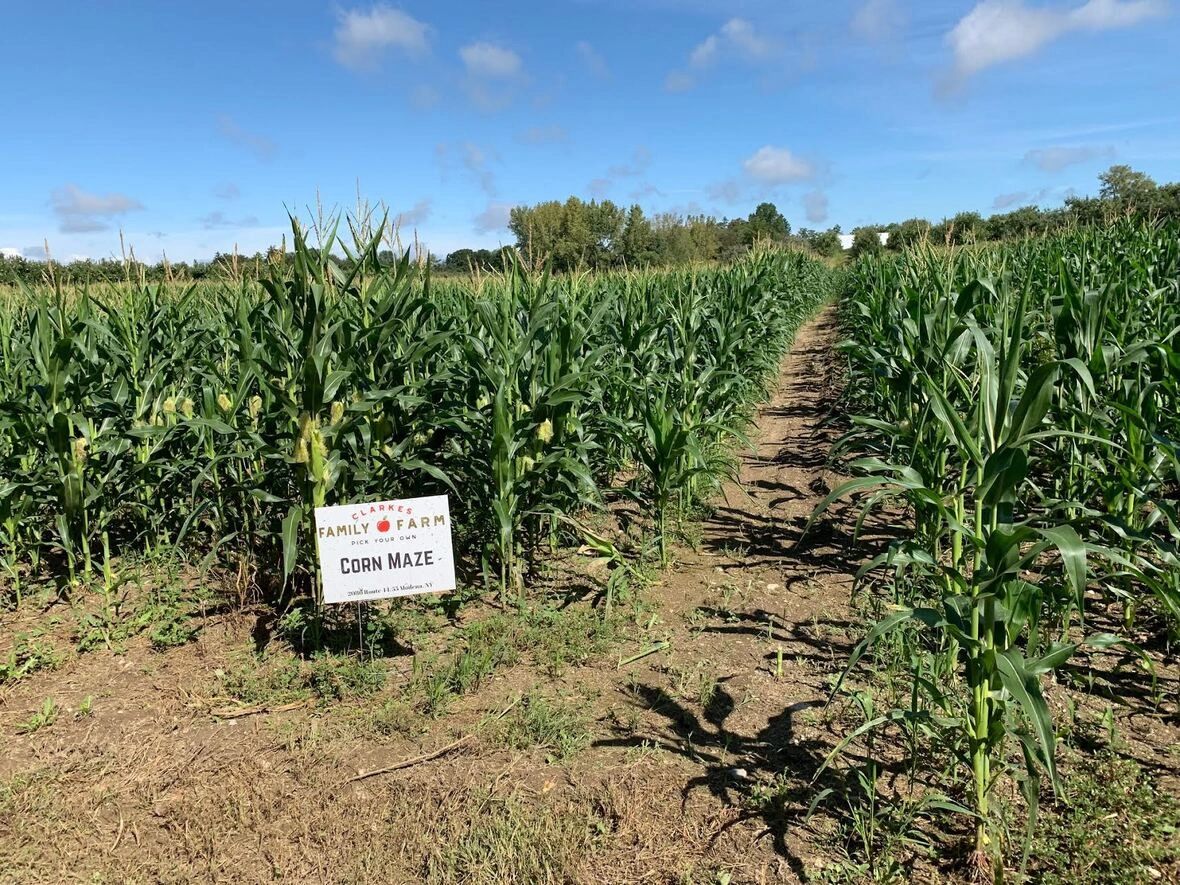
<point>194,127</point>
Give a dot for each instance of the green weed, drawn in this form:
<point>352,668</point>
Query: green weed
<point>29,654</point>
<point>43,718</point>
<point>558,727</point>
<point>1112,825</point>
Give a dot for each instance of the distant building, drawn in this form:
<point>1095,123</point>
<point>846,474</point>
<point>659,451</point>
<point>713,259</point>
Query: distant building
<point>846,239</point>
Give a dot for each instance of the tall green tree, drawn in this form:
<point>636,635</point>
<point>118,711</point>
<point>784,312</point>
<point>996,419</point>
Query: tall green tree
<point>964,228</point>
<point>1127,188</point>
<point>866,241</point>
<point>569,235</point>
<point>908,232</point>
<point>767,223</point>
<point>637,240</point>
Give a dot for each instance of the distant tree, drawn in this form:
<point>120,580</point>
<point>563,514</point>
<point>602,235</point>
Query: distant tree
<point>672,243</point>
<point>705,237</point>
<point>683,239</point>
<point>459,261</point>
<point>866,241</point>
<point>606,226</point>
<point>467,260</point>
<point>487,259</point>
<point>569,235</point>
<point>1127,188</point>
<point>822,242</point>
<point>828,242</point>
<point>964,228</point>
<point>732,239</point>
<point>767,223</point>
<point>537,229</point>
<point>636,244</point>
<point>1168,201</point>
<point>908,232</point>
<point>1087,210</point>
<point>1023,222</point>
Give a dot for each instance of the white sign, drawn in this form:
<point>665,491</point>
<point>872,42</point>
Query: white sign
<point>384,549</point>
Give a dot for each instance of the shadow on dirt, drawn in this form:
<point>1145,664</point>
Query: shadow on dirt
<point>731,763</point>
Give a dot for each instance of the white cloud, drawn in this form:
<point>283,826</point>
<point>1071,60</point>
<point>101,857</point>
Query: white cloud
<point>493,218</point>
<point>424,96</point>
<point>728,191</point>
<point>815,204</point>
<point>775,165</point>
<point>640,161</point>
<point>1003,201</point>
<point>1000,30</point>
<point>737,39</point>
<point>81,212</point>
<point>363,37</point>
<point>476,160</point>
<point>10,252</point>
<point>553,134</point>
<point>705,53</point>
<point>1054,159</point>
<point>878,21</point>
<point>591,60</point>
<point>1022,198</point>
<point>415,215</point>
<point>1099,15</point>
<point>678,81</point>
<point>259,145</point>
<point>997,31</point>
<point>740,36</point>
<point>645,190</point>
<point>219,220</point>
<point>491,61</point>
<point>637,166</point>
<point>488,98</point>
<point>493,75</point>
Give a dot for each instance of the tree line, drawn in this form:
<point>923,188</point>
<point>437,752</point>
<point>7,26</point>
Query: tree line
<point>596,235</point>
<point>1122,191</point>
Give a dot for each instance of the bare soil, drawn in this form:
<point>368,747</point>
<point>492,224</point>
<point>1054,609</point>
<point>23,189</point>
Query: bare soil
<point>164,781</point>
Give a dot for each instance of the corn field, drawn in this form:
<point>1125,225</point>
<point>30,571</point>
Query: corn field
<point>1022,405</point>
<point>217,417</point>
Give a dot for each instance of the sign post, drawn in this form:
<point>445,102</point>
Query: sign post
<point>385,549</point>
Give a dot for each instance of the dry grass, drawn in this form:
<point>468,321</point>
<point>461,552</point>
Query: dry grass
<point>239,817</point>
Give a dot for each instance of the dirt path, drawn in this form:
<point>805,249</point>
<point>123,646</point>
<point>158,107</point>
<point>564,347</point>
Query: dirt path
<point>766,621</point>
<point>679,745</point>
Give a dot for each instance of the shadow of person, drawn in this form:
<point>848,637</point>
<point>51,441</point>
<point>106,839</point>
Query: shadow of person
<point>769,775</point>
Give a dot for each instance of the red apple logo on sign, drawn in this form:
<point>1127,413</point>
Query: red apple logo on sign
<point>383,525</point>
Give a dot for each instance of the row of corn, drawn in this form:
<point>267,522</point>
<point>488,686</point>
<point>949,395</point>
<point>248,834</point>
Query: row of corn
<point>1022,404</point>
<point>218,416</point>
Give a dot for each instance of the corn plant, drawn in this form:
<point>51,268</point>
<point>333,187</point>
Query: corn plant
<point>217,416</point>
<point>1020,403</point>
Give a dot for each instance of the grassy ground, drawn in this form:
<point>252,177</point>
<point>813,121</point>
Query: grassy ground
<point>173,732</point>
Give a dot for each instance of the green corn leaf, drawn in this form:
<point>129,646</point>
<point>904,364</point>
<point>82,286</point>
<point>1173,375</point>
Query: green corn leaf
<point>1025,689</point>
<point>290,540</point>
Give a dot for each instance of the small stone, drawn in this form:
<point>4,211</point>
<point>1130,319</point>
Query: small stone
<point>773,587</point>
